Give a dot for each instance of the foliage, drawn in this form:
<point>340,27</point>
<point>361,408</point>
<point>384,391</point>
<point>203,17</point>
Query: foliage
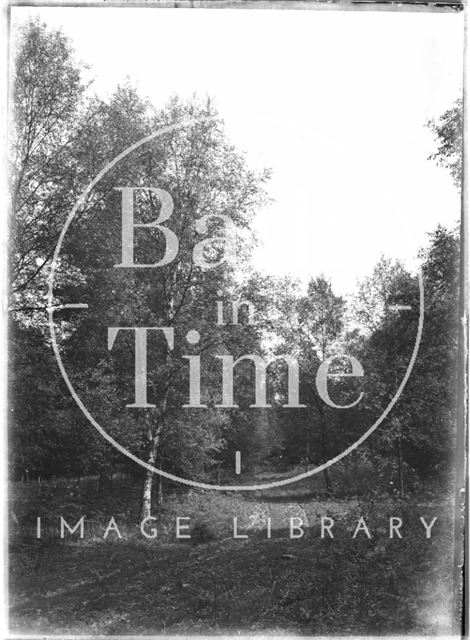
<point>63,137</point>
<point>448,131</point>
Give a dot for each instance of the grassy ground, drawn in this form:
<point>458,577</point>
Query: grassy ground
<point>213,583</point>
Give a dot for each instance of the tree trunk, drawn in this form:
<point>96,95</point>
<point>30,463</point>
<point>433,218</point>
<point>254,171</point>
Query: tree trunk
<point>160,490</point>
<point>146,508</point>
<point>324,453</point>
<point>401,480</point>
<point>160,482</point>
<point>328,484</point>
<point>146,505</point>
<point>104,481</point>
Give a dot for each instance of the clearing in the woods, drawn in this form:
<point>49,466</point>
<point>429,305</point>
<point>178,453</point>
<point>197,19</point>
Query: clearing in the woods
<point>213,583</point>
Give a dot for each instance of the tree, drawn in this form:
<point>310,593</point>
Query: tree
<point>419,432</point>
<point>47,94</point>
<point>204,175</point>
<point>448,131</point>
<point>387,351</point>
<point>46,101</point>
<point>61,141</point>
<point>449,134</point>
<point>314,335</point>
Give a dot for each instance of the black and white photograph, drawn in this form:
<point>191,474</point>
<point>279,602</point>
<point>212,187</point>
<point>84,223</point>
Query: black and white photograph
<point>235,272</point>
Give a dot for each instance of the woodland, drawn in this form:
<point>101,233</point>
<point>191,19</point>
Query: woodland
<point>184,419</point>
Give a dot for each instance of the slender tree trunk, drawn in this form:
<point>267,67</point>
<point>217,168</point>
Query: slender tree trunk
<point>326,472</point>
<point>307,453</point>
<point>329,486</point>
<point>160,483</point>
<point>401,480</point>
<point>146,505</point>
<point>154,431</point>
<point>104,481</point>
<point>324,453</point>
<point>146,508</point>
<point>160,491</point>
